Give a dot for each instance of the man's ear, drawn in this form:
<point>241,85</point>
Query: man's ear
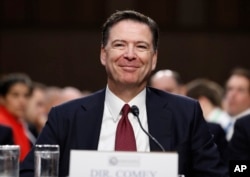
<point>103,56</point>
<point>154,61</point>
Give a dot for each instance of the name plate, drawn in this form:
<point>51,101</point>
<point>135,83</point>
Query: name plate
<point>122,164</point>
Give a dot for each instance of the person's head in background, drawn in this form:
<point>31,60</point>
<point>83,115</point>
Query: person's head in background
<point>129,52</point>
<point>237,92</point>
<point>56,95</point>
<point>167,80</point>
<point>69,93</point>
<point>36,113</point>
<point>207,92</point>
<point>15,90</point>
<point>53,96</point>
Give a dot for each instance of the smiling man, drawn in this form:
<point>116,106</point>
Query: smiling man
<point>96,122</point>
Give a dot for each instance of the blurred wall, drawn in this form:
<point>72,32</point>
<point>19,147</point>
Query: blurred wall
<point>58,42</point>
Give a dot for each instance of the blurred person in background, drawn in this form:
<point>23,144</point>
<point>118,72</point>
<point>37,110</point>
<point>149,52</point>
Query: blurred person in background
<point>69,93</point>
<point>36,114</point>
<point>42,100</point>
<point>53,97</point>
<point>85,92</point>
<point>210,94</point>
<point>168,80</point>
<point>15,90</point>
<point>237,96</point>
<point>239,145</point>
<point>57,95</point>
<point>6,135</point>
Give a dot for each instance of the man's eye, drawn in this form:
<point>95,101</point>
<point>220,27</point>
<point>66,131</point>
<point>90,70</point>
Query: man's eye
<point>119,45</point>
<point>142,46</point>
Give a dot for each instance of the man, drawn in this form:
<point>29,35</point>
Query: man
<point>167,80</point>
<point>237,97</point>
<point>239,146</point>
<point>129,55</point>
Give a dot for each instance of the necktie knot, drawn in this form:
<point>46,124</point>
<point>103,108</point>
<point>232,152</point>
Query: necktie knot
<point>125,110</point>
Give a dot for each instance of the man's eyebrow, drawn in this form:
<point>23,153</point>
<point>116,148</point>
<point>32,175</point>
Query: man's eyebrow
<point>143,42</point>
<point>118,40</point>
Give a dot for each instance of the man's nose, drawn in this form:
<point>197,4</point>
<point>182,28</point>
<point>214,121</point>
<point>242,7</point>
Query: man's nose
<point>130,53</point>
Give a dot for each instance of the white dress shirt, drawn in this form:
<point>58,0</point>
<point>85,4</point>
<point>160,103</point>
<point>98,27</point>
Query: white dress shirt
<point>112,115</point>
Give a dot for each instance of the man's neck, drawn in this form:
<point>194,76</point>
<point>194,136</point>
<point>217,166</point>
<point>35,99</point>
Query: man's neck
<point>126,93</point>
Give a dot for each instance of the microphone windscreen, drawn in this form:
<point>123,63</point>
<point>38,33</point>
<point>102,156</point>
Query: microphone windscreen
<point>135,110</point>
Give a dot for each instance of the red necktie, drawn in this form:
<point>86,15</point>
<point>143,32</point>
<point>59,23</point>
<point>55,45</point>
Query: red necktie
<point>125,138</point>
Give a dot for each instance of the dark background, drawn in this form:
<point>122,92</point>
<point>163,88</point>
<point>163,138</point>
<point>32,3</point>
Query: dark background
<point>57,42</point>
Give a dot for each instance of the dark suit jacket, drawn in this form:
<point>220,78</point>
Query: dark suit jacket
<point>239,145</point>
<point>219,136</point>
<point>175,121</point>
<point>6,136</point>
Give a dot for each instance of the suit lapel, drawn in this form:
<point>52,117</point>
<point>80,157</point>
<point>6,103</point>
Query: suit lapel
<point>158,113</point>
<point>159,121</point>
<point>90,121</point>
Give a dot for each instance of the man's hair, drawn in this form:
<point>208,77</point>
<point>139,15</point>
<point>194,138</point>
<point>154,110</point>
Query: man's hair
<point>7,81</point>
<point>243,73</point>
<point>205,88</point>
<point>38,86</point>
<point>129,15</point>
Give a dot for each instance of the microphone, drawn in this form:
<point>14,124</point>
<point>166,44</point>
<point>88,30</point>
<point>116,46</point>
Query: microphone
<point>135,111</point>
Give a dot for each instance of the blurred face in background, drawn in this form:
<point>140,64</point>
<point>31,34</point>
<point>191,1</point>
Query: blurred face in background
<point>166,83</point>
<point>237,98</point>
<point>15,101</point>
<point>36,107</point>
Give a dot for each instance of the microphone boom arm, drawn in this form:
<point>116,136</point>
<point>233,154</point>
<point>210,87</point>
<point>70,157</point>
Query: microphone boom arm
<point>135,111</point>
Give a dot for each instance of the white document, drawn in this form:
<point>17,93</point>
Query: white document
<point>122,164</point>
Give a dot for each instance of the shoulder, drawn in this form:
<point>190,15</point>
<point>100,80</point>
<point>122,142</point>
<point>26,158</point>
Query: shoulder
<point>215,128</point>
<point>244,121</point>
<point>241,129</point>
<point>242,124</point>
<point>172,99</point>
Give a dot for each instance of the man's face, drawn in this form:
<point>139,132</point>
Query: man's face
<point>16,99</point>
<point>129,57</point>
<point>237,97</point>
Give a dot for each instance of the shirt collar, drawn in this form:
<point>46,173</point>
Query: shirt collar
<point>244,113</point>
<point>115,104</point>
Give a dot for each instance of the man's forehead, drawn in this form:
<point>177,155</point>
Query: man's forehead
<point>125,29</point>
<point>238,79</point>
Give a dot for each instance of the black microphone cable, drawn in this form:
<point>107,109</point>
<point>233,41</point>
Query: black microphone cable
<point>135,111</point>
